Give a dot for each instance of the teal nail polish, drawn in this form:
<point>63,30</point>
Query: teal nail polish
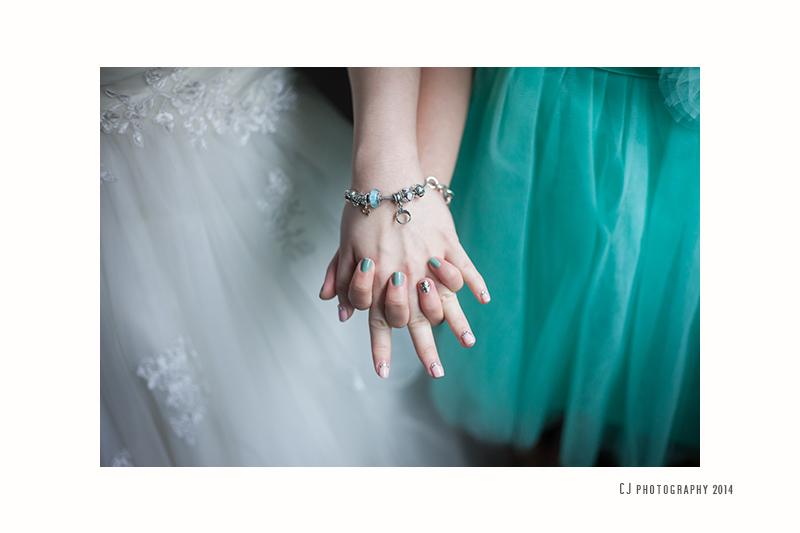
<point>366,264</point>
<point>397,278</point>
<point>435,262</point>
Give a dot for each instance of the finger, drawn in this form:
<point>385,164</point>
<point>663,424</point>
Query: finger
<point>447,273</point>
<point>472,277</point>
<point>328,289</point>
<point>455,318</point>
<point>396,308</point>
<point>429,301</point>
<point>360,292</point>
<point>380,335</point>
<point>344,274</point>
<point>422,337</point>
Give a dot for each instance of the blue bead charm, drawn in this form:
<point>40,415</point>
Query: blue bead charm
<point>374,198</point>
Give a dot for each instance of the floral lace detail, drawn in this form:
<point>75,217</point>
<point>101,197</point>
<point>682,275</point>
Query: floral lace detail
<point>176,371</point>
<point>281,207</point>
<point>122,458</point>
<point>105,174</point>
<point>202,106</point>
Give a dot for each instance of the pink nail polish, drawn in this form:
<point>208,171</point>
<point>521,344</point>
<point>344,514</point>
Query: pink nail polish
<point>467,338</point>
<point>437,370</point>
<point>383,370</point>
<point>342,313</point>
<point>485,298</point>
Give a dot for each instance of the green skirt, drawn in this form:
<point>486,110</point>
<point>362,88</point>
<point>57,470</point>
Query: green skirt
<point>578,200</point>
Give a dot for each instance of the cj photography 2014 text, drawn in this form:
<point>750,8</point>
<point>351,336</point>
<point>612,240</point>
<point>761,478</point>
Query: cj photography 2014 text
<point>630,488</point>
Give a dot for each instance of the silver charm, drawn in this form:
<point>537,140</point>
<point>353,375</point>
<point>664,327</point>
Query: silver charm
<point>400,213</point>
<point>373,198</point>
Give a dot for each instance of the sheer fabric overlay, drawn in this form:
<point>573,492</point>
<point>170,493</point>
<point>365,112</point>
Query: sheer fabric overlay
<point>219,215</point>
<point>579,203</point>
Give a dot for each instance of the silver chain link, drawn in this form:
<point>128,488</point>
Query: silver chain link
<point>405,195</point>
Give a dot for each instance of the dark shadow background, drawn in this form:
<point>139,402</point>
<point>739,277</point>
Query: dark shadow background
<point>334,84</point>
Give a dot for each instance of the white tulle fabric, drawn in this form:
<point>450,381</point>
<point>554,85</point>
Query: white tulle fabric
<point>220,199</point>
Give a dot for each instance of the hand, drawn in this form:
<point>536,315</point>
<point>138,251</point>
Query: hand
<point>379,260</point>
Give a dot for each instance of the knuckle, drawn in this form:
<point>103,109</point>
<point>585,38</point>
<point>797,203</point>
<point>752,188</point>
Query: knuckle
<point>469,270</point>
<point>448,298</point>
<point>342,287</point>
<point>435,316</point>
<point>360,292</point>
<point>378,323</point>
<point>431,306</point>
<point>419,321</point>
<point>395,301</point>
<point>362,281</point>
<point>359,300</point>
<point>456,283</point>
<point>428,352</point>
<point>397,322</point>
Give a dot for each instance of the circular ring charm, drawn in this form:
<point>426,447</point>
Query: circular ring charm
<point>400,213</point>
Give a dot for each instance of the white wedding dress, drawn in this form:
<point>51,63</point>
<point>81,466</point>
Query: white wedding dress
<point>220,199</point>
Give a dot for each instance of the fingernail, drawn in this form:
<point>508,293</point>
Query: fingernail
<point>467,338</point>
<point>425,286</point>
<point>366,264</point>
<point>485,298</point>
<point>383,369</point>
<point>434,262</point>
<point>436,370</point>
<point>342,313</point>
<point>397,278</point>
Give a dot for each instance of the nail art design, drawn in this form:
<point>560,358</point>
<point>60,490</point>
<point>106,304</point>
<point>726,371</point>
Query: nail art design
<point>485,298</point>
<point>342,313</point>
<point>437,370</point>
<point>366,264</point>
<point>425,286</point>
<point>467,338</point>
<point>383,369</point>
<point>397,278</point>
<point>434,262</point>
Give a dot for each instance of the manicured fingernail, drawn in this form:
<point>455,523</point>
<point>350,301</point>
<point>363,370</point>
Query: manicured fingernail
<point>467,338</point>
<point>366,264</point>
<point>397,278</point>
<point>485,298</point>
<point>434,262</point>
<point>342,313</point>
<point>425,286</point>
<point>383,369</point>
<point>436,370</point>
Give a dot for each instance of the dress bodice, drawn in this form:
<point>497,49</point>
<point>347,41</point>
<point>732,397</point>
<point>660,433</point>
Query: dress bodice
<point>231,102</point>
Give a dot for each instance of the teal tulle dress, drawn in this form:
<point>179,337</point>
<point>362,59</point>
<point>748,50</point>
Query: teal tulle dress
<point>578,200</point>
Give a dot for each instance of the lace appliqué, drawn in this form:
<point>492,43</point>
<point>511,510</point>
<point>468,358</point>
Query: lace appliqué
<point>202,106</point>
<point>281,206</point>
<point>122,458</point>
<point>106,175</point>
<point>176,372</point>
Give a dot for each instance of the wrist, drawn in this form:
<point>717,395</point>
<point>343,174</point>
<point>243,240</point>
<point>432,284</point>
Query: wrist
<point>387,169</point>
